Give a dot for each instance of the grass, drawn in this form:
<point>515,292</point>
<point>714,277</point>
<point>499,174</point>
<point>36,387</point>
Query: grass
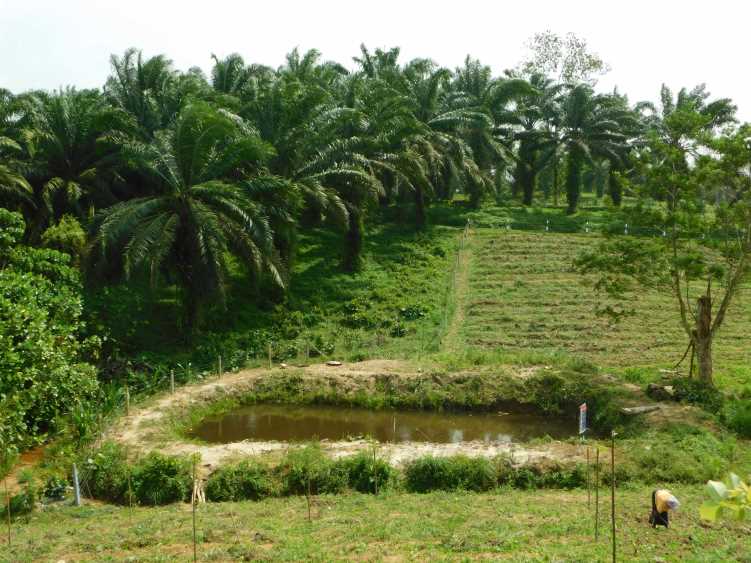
<point>524,295</point>
<point>507,524</point>
<point>394,307</point>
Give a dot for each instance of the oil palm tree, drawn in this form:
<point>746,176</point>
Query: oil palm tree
<point>593,125</point>
<point>14,188</point>
<point>151,90</point>
<point>677,130</point>
<point>201,209</point>
<point>67,168</point>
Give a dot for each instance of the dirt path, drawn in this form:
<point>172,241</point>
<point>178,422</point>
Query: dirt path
<point>143,430</point>
<point>452,341</point>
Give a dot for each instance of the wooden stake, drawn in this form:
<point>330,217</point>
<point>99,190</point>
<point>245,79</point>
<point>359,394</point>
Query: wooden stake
<point>127,400</point>
<point>612,487</point>
<point>194,500</point>
<point>307,497</point>
<point>375,471</point>
<point>597,493</point>
<point>589,490</point>
<point>172,381</point>
<point>7,509</point>
<point>220,366</point>
<point>269,355</point>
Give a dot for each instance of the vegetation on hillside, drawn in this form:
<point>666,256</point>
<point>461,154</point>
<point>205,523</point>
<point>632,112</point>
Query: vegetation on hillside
<point>172,218</point>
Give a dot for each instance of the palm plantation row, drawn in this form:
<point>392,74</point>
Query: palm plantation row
<point>172,175</point>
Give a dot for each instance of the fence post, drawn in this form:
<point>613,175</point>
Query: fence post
<point>597,492</point>
<point>220,365</point>
<point>172,381</point>
<point>76,486</point>
<point>589,488</point>
<point>194,500</point>
<point>612,487</point>
<point>127,400</point>
<point>270,355</point>
<point>7,509</point>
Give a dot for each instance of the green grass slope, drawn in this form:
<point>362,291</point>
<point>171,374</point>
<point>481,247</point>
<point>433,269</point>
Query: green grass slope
<point>509,525</point>
<point>525,295</point>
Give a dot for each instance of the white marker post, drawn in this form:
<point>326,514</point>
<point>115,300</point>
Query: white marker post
<point>76,486</point>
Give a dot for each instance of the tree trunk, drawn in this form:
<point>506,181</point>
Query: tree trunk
<point>574,179</point>
<point>703,339</point>
<point>420,218</point>
<point>353,246</point>
<point>555,179</point>
<point>614,188</point>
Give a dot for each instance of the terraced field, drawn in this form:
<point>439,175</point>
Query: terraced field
<point>524,295</point>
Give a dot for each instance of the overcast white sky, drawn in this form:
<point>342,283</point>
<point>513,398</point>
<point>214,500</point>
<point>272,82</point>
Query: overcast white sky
<point>51,43</point>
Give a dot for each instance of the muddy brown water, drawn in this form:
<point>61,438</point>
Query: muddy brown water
<point>294,423</point>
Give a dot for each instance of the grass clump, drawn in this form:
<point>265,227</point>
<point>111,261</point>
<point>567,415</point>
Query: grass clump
<point>450,474</point>
<point>161,479</point>
<point>154,480</point>
<point>365,474</point>
<point>309,469</point>
<point>246,480</point>
<point>738,417</point>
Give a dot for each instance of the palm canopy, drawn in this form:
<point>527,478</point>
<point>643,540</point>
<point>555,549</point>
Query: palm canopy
<point>200,210</point>
<point>66,167</point>
<point>13,185</point>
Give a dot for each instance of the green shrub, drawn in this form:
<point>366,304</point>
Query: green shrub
<point>160,479</point>
<point>106,474</point>
<point>738,417</point>
<point>246,480</point>
<point>309,466</point>
<point>363,472</point>
<point>555,476</point>
<point>21,503</point>
<point>55,488</point>
<point>450,473</point>
<point>697,392</point>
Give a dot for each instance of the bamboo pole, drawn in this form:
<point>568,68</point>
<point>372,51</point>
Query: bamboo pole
<point>597,493</point>
<point>194,500</point>
<point>7,510</point>
<point>307,497</point>
<point>589,488</point>
<point>612,487</point>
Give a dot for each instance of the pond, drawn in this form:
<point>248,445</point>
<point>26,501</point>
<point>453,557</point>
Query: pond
<point>267,422</point>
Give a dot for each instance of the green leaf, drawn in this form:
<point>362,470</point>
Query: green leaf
<point>709,511</point>
<point>717,490</point>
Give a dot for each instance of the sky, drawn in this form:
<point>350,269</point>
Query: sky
<point>52,43</point>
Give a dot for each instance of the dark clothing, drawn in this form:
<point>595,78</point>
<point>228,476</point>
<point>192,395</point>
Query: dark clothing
<point>657,518</point>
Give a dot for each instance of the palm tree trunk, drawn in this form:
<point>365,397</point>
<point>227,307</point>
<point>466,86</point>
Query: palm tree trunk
<point>614,188</point>
<point>420,215</point>
<point>353,247</point>
<point>574,179</point>
<point>555,179</point>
